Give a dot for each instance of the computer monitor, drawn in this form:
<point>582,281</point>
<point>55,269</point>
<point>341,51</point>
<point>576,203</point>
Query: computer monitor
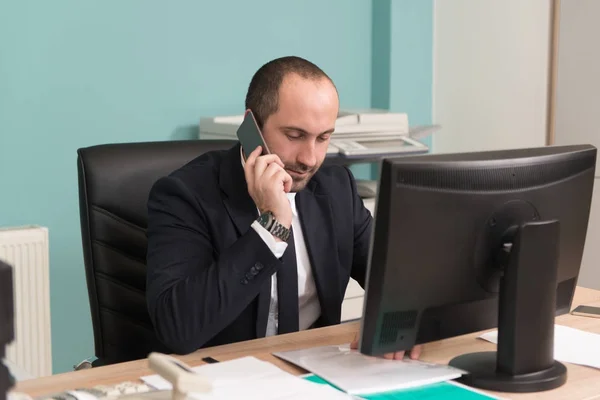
<point>467,242</point>
<point>7,329</point>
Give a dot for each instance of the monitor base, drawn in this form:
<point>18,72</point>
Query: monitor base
<point>482,374</point>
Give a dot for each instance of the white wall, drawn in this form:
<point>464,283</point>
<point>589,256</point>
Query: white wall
<point>490,80</point>
<point>577,106</point>
<point>490,85</point>
<point>578,74</point>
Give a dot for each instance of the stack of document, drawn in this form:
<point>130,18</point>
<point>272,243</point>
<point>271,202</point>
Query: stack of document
<point>250,378</point>
<point>570,345</point>
<point>448,390</point>
<point>358,374</point>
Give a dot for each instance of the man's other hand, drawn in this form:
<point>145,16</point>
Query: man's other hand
<point>413,354</point>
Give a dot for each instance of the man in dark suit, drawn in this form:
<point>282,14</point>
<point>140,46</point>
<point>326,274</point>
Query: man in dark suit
<point>243,245</point>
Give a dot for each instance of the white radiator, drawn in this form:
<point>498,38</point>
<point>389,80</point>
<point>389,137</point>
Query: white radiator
<point>26,249</point>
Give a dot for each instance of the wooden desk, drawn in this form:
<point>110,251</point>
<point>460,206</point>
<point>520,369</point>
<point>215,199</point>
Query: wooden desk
<point>582,382</point>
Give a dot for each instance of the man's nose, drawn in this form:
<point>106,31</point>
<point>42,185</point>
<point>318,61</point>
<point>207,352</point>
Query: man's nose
<point>308,155</point>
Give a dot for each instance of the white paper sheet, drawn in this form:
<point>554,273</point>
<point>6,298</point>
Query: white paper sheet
<point>250,378</point>
<point>358,374</point>
<point>570,345</point>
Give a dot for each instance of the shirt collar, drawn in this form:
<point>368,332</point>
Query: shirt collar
<point>291,196</point>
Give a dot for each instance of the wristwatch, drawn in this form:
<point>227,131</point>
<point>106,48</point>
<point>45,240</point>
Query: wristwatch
<point>267,220</point>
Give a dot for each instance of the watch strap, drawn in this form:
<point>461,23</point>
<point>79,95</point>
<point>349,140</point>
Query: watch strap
<point>267,220</point>
<point>279,231</point>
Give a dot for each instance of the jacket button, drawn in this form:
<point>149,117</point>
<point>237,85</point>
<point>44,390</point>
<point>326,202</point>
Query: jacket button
<point>244,281</point>
<point>253,270</point>
<point>259,266</point>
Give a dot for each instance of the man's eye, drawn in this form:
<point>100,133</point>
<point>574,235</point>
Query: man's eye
<point>323,138</point>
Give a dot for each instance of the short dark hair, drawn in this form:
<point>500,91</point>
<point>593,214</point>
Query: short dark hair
<point>263,92</point>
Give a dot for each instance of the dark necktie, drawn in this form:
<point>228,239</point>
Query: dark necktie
<point>287,290</point>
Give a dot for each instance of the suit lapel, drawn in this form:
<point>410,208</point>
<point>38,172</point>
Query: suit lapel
<point>317,225</point>
<point>243,212</point>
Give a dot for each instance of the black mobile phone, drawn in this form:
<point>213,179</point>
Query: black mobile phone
<point>587,311</point>
<point>250,135</point>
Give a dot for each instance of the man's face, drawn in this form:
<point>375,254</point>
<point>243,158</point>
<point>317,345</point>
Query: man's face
<point>300,129</point>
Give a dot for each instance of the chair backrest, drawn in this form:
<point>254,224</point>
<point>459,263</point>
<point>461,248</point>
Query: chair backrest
<point>7,325</point>
<point>114,183</point>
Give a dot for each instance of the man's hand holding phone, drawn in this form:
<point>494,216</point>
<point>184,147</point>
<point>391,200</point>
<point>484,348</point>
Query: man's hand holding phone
<point>268,184</point>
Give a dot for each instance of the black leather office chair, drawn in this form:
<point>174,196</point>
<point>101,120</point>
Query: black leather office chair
<point>114,182</point>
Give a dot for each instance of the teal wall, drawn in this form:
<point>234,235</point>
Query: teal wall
<point>77,73</point>
<point>402,60</point>
<point>402,63</point>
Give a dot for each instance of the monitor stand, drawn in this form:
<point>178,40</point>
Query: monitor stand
<point>524,360</point>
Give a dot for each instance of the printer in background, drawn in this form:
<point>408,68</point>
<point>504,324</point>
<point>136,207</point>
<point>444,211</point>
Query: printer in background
<point>358,133</point>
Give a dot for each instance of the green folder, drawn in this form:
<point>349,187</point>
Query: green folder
<point>442,390</point>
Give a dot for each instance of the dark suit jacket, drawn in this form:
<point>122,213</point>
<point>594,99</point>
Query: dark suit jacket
<point>208,278</point>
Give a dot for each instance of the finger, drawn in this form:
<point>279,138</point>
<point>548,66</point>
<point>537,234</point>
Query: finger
<point>285,179</point>
<point>274,173</point>
<point>272,170</point>
<point>263,162</point>
<point>354,343</point>
<point>249,166</point>
<point>389,356</point>
<point>415,353</point>
<point>250,158</point>
<point>259,168</point>
<point>287,182</point>
<point>272,158</point>
<point>399,355</point>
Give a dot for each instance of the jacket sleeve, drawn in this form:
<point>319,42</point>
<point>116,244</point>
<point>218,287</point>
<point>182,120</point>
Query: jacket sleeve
<point>363,224</point>
<point>192,292</point>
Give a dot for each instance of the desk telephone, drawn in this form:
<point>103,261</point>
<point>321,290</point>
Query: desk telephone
<point>182,378</point>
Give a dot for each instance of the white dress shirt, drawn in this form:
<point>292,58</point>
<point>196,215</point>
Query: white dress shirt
<point>309,308</point>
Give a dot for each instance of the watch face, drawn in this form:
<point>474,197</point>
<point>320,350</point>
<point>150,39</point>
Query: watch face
<point>265,219</point>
